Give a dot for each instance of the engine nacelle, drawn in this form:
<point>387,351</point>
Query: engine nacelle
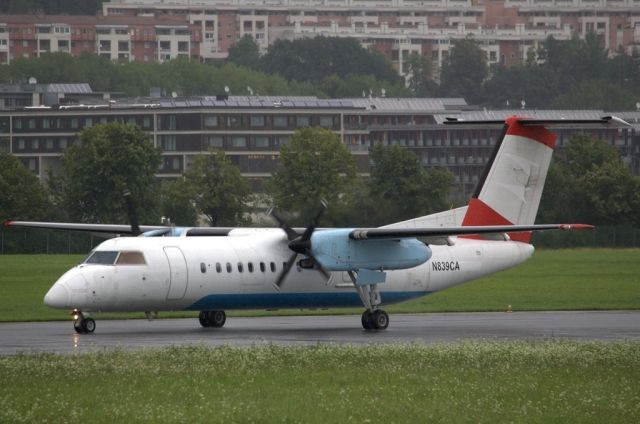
<point>335,251</point>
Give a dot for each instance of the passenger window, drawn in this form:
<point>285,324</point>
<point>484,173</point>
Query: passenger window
<point>250,266</point>
<point>203,267</point>
<point>273,266</point>
<point>262,267</point>
<point>218,267</point>
<point>240,267</point>
<point>229,269</point>
<point>131,258</point>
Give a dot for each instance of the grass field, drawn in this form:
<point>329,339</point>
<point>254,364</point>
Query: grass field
<point>556,382</point>
<point>551,280</point>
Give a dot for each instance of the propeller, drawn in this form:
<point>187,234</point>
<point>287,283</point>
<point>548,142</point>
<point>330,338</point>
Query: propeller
<point>300,244</point>
<point>131,211</point>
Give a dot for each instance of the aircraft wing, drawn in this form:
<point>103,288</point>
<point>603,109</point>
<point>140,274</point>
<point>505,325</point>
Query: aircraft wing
<point>92,228</point>
<point>387,233</point>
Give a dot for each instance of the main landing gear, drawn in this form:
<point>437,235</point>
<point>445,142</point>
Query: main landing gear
<point>82,323</point>
<point>214,319</point>
<point>373,318</point>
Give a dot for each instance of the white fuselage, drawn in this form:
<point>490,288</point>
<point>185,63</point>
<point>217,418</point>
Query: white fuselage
<point>238,272</point>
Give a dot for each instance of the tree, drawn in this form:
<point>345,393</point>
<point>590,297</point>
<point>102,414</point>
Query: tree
<point>590,183</point>
<point>177,203</point>
<point>418,67</point>
<point>464,72</point>
<point>245,52</point>
<point>313,59</point>
<point>218,189</point>
<point>314,166</point>
<point>400,188</point>
<point>21,195</point>
<point>110,159</point>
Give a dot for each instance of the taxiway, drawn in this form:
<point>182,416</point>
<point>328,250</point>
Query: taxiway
<point>59,337</point>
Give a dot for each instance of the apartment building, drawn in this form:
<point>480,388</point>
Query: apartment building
<point>507,30</point>
<point>158,30</point>
<point>251,130</point>
<point>141,38</point>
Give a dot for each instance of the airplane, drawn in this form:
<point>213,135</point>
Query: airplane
<point>211,270</point>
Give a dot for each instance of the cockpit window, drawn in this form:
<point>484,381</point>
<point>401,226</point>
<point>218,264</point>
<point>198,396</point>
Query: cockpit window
<point>130,258</point>
<point>102,257</point>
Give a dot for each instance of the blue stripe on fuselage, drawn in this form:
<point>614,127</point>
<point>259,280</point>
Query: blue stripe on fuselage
<point>293,300</point>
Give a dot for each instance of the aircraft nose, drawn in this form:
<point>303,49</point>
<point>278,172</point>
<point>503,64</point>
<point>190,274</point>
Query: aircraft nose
<point>57,296</point>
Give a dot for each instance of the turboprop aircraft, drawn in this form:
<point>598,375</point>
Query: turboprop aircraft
<point>216,269</point>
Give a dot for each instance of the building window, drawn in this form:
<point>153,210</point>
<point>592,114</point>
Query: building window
<point>326,121</point>
<point>234,121</point>
<point>32,123</point>
<point>18,124</point>
<point>215,141</point>
<point>210,121</point>
<point>49,144</point>
<point>262,141</point>
<point>74,122</point>
<point>280,121</point>
<point>21,144</point>
<point>302,121</point>
<point>168,142</point>
<point>239,141</point>
<point>123,46</point>
<point>257,121</point>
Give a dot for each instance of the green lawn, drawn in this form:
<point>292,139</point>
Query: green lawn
<point>551,280</point>
<point>478,382</point>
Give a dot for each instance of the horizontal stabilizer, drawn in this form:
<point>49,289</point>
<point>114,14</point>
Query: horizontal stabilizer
<point>605,121</point>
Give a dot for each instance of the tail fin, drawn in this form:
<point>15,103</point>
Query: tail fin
<point>510,189</point>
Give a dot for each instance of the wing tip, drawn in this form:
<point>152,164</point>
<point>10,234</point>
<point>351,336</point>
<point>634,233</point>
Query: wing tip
<point>7,223</point>
<point>567,227</point>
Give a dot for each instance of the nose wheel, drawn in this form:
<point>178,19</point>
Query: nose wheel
<point>84,325</point>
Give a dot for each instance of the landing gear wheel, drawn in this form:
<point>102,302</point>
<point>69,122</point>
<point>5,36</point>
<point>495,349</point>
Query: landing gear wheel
<point>212,318</point>
<point>217,318</point>
<point>84,325</point>
<point>366,320</point>
<point>89,325</point>
<point>380,320</point>
<point>375,320</point>
<point>204,319</point>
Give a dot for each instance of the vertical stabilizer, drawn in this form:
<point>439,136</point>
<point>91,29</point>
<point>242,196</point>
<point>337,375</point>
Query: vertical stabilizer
<point>511,187</point>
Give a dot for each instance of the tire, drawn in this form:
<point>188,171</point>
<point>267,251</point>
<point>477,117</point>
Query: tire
<point>203,317</point>
<point>217,318</point>
<point>77,325</point>
<point>88,325</point>
<point>366,320</point>
<point>380,320</point>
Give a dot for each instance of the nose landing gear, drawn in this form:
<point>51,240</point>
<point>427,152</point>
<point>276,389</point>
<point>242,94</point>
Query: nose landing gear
<point>82,323</point>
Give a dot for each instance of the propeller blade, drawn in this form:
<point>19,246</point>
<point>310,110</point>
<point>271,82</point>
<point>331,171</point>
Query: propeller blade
<point>285,271</point>
<point>314,223</point>
<point>323,271</point>
<point>133,217</point>
<point>291,234</point>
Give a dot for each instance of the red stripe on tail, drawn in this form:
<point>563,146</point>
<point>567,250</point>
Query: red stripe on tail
<point>535,132</point>
<point>479,213</point>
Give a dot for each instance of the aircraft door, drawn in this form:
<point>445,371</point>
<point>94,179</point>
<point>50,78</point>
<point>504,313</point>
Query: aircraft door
<point>178,273</point>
